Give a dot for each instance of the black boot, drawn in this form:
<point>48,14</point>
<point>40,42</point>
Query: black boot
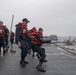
<point>40,68</point>
<point>45,61</point>
<point>22,61</point>
<point>26,62</point>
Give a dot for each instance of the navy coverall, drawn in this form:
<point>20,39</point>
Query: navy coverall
<point>37,48</point>
<point>24,42</point>
<point>6,36</point>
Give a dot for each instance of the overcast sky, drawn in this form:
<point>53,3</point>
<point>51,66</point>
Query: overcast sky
<point>54,16</point>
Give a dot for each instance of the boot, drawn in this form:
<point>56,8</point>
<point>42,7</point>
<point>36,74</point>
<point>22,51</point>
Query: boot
<point>26,62</point>
<point>22,63</point>
<point>40,68</point>
<point>45,61</point>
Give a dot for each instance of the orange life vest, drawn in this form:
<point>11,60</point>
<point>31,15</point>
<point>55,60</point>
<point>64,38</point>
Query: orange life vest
<point>23,30</point>
<point>32,31</point>
<point>2,32</point>
<point>35,40</point>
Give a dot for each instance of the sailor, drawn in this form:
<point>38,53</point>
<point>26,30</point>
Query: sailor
<point>22,39</point>
<point>6,37</point>
<point>37,42</point>
<point>2,35</point>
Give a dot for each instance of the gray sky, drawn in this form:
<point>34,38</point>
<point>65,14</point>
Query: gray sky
<point>54,16</point>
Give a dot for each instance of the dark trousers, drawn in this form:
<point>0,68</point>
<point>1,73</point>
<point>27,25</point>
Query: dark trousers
<point>40,51</point>
<point>24,48</point>
<point>6,40</point>
<point>2,43</point>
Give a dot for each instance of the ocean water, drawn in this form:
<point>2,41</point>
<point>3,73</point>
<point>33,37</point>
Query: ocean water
<point>62,38</point>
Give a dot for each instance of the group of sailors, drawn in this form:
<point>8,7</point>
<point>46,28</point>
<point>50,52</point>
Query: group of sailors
<point>4,38</point>
<point>26,40</point>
